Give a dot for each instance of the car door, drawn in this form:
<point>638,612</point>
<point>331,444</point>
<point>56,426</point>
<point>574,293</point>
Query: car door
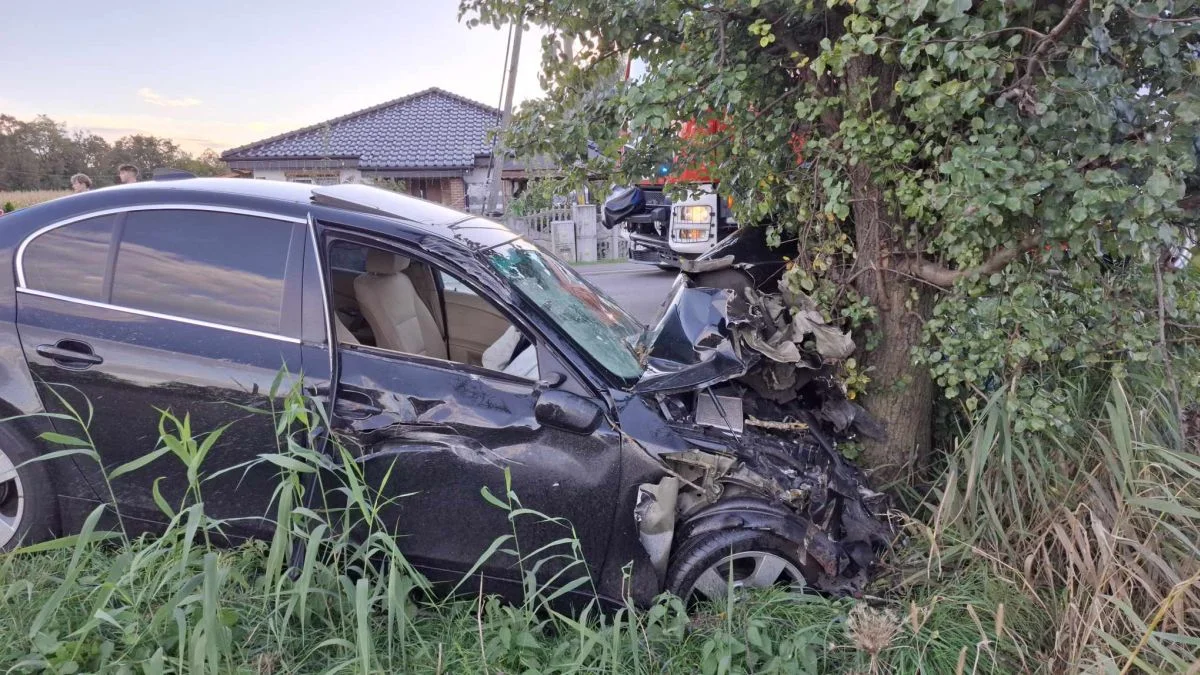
<point>431,434</point>
<point>192,311</point>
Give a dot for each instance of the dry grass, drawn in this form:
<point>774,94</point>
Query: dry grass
<point>1102,529</point>
<point>23,198</point>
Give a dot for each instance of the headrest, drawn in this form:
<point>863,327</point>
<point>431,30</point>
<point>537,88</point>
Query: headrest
<point>382,262</point>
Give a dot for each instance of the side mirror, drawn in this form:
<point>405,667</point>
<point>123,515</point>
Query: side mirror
<point>567,411</point>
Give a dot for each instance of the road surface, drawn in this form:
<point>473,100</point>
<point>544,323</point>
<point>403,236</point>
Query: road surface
<point>638,289</point>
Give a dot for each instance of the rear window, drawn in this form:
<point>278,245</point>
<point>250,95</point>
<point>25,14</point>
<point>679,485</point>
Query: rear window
<point>70,260</point>
<point>222,268</point>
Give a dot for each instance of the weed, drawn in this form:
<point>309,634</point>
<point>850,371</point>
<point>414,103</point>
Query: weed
<point>1073,554</point>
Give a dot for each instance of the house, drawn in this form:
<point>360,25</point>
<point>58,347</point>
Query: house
<point>432,144</point>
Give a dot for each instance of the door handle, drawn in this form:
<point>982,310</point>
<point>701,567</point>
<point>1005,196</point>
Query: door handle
<point>70,353</point>
<point>354,405</point>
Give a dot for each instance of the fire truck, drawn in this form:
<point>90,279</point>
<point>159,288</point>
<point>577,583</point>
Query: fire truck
<point>661,231</point>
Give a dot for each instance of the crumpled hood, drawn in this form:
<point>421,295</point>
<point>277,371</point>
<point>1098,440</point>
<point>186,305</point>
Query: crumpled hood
<point>690,348</point>
<point>778,344</point>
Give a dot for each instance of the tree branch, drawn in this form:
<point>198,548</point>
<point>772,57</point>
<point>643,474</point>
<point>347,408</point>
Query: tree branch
<point>1041,48</point>
<point>940,275</point>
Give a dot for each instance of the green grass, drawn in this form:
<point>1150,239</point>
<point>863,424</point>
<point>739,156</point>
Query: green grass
<point>996,577</point>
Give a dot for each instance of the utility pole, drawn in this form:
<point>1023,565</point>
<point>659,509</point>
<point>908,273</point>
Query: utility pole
<point>498,153</point>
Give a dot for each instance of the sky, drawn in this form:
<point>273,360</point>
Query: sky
<point>221,73</point>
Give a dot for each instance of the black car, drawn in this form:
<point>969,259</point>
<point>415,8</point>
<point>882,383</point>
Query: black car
<point>443,345</point>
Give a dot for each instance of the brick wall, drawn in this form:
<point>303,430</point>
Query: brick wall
<point>454,195</point>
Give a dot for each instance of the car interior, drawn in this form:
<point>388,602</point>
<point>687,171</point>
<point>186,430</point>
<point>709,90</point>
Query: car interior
<point>404,305</point>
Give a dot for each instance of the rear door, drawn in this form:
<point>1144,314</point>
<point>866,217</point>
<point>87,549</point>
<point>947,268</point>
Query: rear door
<point>193,311</point>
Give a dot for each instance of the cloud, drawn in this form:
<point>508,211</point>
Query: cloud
<point>152,97</point>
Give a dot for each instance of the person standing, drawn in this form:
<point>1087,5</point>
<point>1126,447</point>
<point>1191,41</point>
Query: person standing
<point>128,173</point>
<point>81,183</point>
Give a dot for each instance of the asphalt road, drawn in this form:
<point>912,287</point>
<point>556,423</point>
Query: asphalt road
<point>638,289</point>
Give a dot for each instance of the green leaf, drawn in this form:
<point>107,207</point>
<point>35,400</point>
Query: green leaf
<point>1159,184</point>
<point>137,463</point>
<point>63,439</point>
<point>492,499</point>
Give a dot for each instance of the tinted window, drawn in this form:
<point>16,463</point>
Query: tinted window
<point>70,260</point>
<point>217,267</point>
<point>348,258</point>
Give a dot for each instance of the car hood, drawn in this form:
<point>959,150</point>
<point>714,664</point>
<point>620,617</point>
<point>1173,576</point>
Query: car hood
<point>775,343</point>
<point>691,347</point>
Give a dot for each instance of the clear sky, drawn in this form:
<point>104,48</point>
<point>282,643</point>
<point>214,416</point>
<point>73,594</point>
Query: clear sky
<point>220,73</point>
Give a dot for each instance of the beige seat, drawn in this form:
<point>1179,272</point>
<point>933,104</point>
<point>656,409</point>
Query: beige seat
<point>399,319</point>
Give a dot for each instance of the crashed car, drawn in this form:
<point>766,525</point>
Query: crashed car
<point>452,356</point>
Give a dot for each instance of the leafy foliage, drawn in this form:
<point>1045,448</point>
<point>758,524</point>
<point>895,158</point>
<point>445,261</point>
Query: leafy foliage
<point>1031,165</point>
<point>43,154</point>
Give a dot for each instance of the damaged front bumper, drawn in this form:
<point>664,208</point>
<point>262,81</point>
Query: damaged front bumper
<point>748,381</point>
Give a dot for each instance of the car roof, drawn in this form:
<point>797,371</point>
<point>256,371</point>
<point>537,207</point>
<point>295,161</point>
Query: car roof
<point>386,211</point>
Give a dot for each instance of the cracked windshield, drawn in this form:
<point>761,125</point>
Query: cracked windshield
<point>587,316</point>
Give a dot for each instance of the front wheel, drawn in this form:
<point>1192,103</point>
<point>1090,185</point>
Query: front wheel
<point>707,566</point>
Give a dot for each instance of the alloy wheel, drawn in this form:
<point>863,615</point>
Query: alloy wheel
<point>749,569</point>
<point>12,500</point>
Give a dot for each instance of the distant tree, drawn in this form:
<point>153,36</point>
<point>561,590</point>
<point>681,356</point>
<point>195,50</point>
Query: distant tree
<point>207,163</point>
<point>40,154</point>
<point>145,152</point>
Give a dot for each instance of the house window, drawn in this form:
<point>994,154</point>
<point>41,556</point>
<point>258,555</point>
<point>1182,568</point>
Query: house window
<point>313,177</point>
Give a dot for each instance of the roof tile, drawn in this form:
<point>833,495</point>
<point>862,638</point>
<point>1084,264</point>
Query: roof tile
<point>431,129</point>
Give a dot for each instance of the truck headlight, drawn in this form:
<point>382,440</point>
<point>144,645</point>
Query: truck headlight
<point>690,233</point>
<point>694,214</point>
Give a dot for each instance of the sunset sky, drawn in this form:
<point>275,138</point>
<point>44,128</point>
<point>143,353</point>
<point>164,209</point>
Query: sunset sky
<point>219,73</point>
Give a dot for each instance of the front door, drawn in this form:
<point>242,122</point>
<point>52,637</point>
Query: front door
<point>434,433</point>
<point>191,312</point>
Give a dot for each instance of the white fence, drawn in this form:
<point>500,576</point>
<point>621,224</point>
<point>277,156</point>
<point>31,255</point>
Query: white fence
<point>573,233</point>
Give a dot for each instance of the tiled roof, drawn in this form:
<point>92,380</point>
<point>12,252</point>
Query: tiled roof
<point>432,129</point>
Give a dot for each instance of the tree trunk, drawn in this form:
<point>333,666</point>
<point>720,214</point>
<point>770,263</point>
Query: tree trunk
<point>900,394</point>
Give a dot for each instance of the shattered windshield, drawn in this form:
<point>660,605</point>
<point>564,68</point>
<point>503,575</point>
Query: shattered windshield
<point>593,321</point>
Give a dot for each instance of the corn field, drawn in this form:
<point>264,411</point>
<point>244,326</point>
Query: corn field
<point>23,198</point>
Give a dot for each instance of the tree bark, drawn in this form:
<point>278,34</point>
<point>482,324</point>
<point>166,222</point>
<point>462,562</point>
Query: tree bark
<point>901,393</point>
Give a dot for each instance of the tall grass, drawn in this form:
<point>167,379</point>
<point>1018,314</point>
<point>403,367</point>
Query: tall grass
<point>1100,528</point>
<point>331,592</point>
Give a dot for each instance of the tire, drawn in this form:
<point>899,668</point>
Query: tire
<point>702,566</point>
<point>28,509</point>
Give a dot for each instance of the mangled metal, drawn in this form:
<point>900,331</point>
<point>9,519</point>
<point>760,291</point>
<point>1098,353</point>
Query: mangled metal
<point>771,461</point>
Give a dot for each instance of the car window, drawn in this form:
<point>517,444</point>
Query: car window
<point>348,258</point>
<point>70,260</point>
<point>393,310</point>
<point>452,285</point>
<point>223,268</point>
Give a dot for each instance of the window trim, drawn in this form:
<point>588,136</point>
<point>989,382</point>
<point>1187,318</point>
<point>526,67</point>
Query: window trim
<point>157,315</point>
<point>23,287</point>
